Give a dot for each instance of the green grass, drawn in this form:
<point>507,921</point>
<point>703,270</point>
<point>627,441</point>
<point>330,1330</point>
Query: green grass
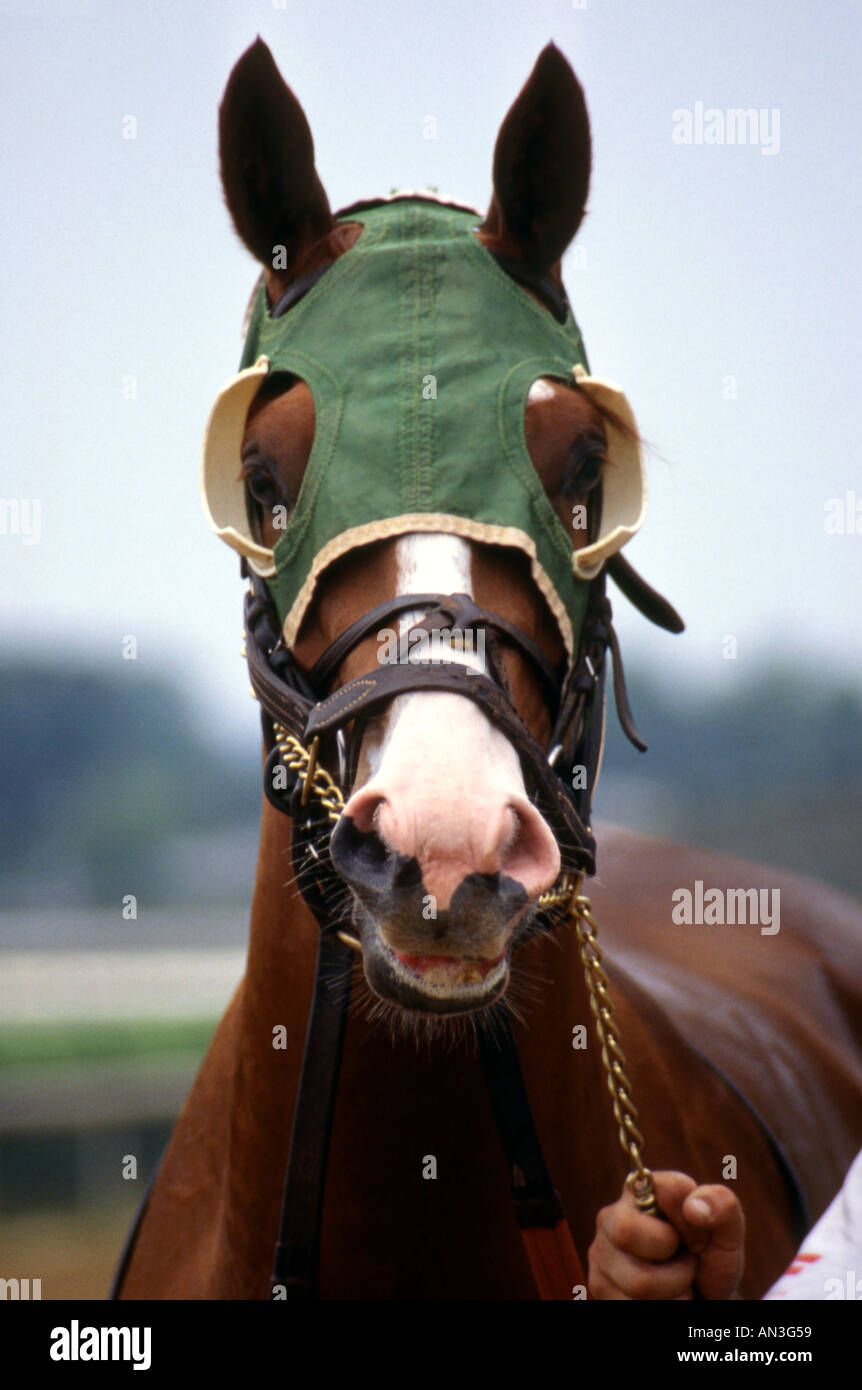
<point>39,1044</point>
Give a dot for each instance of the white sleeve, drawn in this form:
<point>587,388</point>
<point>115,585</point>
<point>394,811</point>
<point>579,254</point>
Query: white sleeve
<point>829,1263</point>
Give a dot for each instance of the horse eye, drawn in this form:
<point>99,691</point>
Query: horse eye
<point>262,488</point>
<point>584,474</point>
<point>590,470</point>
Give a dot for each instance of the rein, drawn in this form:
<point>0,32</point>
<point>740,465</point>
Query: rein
<point>296,717</point>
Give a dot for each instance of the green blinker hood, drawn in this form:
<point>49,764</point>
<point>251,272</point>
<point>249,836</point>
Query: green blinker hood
<point>419,351</point>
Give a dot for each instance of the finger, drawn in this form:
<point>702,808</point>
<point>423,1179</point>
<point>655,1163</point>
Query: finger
<point>715,1209</point>
<point>616,1275</point>
<point>671,1190</point>
<point>716,1212</point>
<point>625,1228</point>
<point>707,1215</point>
<point>691,1210</point>
<point>628,1227</point>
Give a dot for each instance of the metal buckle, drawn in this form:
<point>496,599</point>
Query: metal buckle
<point>343,764</point>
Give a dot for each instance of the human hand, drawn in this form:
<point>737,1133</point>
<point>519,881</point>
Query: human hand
<point>697,1251</point>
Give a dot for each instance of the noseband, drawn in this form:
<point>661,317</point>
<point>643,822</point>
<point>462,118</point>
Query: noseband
<point>297,715</point>
<point>287,697</point>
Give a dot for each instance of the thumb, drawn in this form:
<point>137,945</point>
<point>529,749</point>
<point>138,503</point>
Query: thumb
<point>715,1232</point>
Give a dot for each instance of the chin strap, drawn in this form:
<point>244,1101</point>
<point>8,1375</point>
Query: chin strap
<point>296,1263</point>
<point>548,1243</point>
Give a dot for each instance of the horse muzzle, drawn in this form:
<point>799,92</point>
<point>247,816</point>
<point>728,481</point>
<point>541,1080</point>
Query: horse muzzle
<point>416,955</point>
<point>429,982</point>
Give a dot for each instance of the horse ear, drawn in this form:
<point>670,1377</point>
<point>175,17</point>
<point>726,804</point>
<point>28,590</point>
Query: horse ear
<point>541,166</point>
<point>267,162</point>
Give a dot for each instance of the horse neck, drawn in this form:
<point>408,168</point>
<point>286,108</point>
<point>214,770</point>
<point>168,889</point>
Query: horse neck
<point>265,1056</point>
<point>283,932</point>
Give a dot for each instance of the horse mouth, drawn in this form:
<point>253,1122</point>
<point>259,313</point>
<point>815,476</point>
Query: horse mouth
<point>427,983</point>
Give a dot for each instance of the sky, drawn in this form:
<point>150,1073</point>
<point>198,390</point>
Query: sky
<point>717,282</point>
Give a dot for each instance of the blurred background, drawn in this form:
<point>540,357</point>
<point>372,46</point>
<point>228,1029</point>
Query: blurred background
<point>717,282</point>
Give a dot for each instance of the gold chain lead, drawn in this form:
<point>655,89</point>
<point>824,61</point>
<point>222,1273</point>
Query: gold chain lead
<point>640,1180</point>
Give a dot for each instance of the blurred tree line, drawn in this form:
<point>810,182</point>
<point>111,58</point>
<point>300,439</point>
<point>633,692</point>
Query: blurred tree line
<point>771,771</point>
<point>101,776</point>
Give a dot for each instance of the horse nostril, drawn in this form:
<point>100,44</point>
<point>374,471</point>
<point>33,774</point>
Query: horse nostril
<point>351,848</point>
<point>364,810</point>
<point>531,855</point>
<point>370,866</point>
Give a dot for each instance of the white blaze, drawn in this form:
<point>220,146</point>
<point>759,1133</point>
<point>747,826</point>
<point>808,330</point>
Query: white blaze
<point>445,784</point>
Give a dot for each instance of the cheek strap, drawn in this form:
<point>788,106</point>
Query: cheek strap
<point>645,599</point>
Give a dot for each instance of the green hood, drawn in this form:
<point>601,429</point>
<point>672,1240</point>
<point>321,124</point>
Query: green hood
<point>419,352</point>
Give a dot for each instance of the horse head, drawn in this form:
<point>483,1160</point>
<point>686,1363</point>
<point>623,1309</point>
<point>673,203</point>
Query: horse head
<point>414,416</point>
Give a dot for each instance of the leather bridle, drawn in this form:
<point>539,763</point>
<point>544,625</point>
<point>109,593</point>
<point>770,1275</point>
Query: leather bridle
<point>299,705</point>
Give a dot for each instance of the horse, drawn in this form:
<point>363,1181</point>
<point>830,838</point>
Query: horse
<point>414,449</point>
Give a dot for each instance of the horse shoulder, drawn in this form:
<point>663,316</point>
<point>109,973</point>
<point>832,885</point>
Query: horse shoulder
<point>778,1011</point>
